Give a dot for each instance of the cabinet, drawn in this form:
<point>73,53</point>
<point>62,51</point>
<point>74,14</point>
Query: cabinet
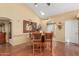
<point>2,37</point>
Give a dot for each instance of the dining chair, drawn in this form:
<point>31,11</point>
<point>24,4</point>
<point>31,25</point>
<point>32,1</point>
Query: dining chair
<point>48,42</point>
<point>37,45</point>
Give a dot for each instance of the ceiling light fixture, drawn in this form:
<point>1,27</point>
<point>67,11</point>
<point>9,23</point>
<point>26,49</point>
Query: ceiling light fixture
<point>48,4</point>
<point>42,13</point>
<point>35,4</point>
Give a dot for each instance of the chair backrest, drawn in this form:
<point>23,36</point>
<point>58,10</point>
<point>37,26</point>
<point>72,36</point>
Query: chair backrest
<point>36,35</point>
<point>48,36</point>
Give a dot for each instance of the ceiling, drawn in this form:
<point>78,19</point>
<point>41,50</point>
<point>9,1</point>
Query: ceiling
<point>44,11</point>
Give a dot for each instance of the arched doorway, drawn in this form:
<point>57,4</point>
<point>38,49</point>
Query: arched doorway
<point>5,30</point>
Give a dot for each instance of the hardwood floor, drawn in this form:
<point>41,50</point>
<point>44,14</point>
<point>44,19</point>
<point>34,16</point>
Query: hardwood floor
<point>58,49</point>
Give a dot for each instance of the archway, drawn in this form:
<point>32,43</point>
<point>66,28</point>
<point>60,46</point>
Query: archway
<point>5,30</point>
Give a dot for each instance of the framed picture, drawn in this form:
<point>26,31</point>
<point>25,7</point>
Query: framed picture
<point>28,26</point>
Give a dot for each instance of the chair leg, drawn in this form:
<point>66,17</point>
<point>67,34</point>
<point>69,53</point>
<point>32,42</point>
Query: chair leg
<point>40,48</point>
<point>33,49</point>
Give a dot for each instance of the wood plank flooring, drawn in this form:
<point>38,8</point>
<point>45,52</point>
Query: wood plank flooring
<point>58,49</point>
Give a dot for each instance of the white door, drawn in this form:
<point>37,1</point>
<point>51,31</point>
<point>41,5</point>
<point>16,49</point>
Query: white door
<point>71,31</point>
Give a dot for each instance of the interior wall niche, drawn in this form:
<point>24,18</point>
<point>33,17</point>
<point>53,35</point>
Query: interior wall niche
<point>29,26</point>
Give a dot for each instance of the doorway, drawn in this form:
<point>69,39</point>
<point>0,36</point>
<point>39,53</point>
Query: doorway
<point>71,31</point>
<point>5,30</point>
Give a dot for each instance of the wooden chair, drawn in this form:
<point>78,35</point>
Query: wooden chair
<point>48,42</point>
<point>37,49</point>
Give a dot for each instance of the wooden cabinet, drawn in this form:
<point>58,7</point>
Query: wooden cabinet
<point>2,37</point>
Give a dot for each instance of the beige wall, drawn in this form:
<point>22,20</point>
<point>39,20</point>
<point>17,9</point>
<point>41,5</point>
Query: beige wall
<point>17,13</point>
